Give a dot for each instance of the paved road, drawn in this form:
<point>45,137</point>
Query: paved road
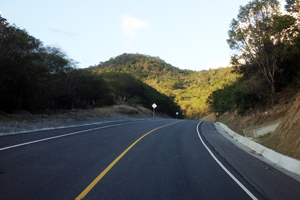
<point>155,159</point>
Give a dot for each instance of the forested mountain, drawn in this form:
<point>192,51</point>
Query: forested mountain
<point>38,78</point>
<point>189,89</point>
<point>265,60</point>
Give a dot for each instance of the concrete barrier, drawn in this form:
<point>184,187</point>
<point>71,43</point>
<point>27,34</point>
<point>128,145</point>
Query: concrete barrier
<point>281,160</point>
<point>259,148</point>
<point>271,155</point>
<point>246,142</point>
<point>253,145</point>
<point>241,139</point>
<point>263,129</point>
<point>290,164</point>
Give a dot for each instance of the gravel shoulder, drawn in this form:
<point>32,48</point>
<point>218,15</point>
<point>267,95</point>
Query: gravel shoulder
<point>25,121</point>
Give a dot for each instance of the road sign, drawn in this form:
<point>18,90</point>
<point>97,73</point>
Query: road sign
<point>154,106</point>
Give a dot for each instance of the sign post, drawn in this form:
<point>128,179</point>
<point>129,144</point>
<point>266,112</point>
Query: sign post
<point>217,115</point>
<point>154,106</point>
<point>176,114</point>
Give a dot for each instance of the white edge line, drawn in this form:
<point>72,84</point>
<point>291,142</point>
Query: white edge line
<point>224,168</point>
<point>59,136</point>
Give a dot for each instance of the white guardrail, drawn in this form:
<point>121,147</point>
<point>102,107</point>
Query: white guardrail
<point>283,161</point>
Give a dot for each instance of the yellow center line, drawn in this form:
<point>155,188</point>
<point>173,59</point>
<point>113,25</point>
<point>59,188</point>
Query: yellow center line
<point>92,184</point>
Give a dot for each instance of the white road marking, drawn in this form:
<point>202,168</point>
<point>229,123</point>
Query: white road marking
<point>224,168</point>
<point>59,136</point>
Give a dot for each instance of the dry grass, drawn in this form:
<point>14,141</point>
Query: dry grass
<point>211,117</point>
<point>286,138</point>
<point>122,110</point>
<point>109,111</point>
<point>254,117</point>
<point>26,121</point>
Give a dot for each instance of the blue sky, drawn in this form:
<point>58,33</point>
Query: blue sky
<point>189,34</point>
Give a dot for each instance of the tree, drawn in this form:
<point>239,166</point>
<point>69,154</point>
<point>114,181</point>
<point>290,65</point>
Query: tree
<point>31,75</point>
<point>257,38</point>
<point>123,85</point>
<point>292,6</point>
<point>17,50</point>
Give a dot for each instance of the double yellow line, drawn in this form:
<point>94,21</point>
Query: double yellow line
<point>88,188</point>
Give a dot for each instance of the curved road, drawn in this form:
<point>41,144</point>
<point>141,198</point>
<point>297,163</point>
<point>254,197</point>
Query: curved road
<point>154,159</point>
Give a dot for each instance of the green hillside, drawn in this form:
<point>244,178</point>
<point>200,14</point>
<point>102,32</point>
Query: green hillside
<point>39,78</point>
<point>189,89</point>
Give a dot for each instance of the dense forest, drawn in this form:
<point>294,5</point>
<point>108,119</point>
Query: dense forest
<point>38,78</point>
<point>266,47</point>
<point>189,89</point>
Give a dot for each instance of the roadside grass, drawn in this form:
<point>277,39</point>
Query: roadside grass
<point>264,137</point>
<point>226,122</point>
<point>122,110</point>
<point>25,121</point>
<point>209,118</point>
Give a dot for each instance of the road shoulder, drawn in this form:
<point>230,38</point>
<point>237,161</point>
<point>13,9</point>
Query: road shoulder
<point>223,132</point>
<point>262,176</point>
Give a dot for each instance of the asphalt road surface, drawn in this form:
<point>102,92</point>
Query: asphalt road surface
<point>153,159</point>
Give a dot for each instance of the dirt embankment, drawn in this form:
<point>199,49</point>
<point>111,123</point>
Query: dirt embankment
<point>24,121</point>
<point>238,122</point>
<point>285,139</point>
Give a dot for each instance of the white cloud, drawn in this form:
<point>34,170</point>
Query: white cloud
<point>60,31</point>
<point>218,63</point>
<point>131,25</point>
